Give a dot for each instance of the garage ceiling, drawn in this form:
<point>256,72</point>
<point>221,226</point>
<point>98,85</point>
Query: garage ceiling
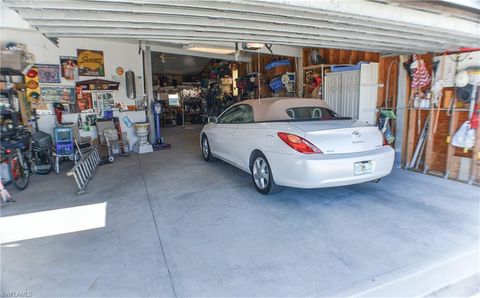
<point>380,26</point>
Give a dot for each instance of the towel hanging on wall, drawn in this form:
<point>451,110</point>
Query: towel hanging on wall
<point>421,78</point>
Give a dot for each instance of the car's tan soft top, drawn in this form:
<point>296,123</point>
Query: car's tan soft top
<point>272,109</point>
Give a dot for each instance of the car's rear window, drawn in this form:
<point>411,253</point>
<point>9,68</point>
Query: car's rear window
<point>312,113</point>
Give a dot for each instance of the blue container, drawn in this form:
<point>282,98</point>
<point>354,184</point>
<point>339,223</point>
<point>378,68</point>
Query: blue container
<point>276,84</point>
<point>108,114</point>
<point>64,144</point>
<point>338,68</point>
<point>277,63</point>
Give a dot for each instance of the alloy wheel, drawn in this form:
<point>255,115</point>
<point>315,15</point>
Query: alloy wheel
<point>205,148</point>
<point>261,173</point>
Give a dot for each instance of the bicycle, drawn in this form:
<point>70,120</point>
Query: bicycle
<point>18,168</point>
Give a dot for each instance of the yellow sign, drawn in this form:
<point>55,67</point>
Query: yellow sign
<point>90,63</point>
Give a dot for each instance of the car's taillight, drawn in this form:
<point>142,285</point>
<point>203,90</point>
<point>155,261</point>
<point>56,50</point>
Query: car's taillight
<point>8,151</point>
<point>298,143</point>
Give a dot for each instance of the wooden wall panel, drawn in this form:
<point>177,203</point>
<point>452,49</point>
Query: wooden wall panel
<point>267,58</point>
<point>384,64</point>
<point>410,126</point>
<point>338,56</point>
<point>266,76</point>
<point>440,146</point>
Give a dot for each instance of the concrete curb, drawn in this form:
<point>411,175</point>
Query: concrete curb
<point>419,282</point>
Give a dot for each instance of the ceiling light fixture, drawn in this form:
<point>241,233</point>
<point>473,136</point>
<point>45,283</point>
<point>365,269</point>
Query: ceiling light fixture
<point>252,46</point>
<point>209,49</point>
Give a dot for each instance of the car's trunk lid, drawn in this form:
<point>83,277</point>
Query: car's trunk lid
<point>341,136</point>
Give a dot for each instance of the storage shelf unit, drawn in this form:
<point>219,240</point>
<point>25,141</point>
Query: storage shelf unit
<point>354,93</point>
<point>323,68</point>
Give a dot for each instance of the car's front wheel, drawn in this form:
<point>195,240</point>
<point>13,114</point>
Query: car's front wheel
<point>207,154</point>
<point>262,175</point>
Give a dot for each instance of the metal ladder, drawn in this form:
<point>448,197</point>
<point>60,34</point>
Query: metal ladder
<point>84,169</point>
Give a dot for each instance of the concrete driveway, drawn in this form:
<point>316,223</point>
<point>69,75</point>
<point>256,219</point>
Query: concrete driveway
<point>175,225</point>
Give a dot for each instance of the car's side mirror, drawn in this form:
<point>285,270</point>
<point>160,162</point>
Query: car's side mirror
<point>212,119</point>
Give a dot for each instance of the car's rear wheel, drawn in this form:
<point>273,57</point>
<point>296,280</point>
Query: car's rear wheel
<point>262,175</point>
<point>207,154</point>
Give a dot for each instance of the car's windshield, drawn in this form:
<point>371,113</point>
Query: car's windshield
<point>312,113</point>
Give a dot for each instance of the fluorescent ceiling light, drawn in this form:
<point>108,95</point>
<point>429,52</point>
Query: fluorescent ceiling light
<point>209,49</point>
<point>254,46</point>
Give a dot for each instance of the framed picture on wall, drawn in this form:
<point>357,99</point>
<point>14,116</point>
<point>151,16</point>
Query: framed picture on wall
<point>48,73</point>
<point>63,94</point>
<point>84,102</point>
<point>90,63</point>
<point>68,67</point>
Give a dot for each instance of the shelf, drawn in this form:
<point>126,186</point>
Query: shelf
<point>436,109</point>
<point>323,65</point>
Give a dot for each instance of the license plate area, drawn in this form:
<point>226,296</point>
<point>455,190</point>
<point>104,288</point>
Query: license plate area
<point>363,167</point>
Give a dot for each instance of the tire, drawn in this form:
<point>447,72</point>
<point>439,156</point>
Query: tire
<point>262,175</point>
<point>206,152</point>
<point>20,174</point>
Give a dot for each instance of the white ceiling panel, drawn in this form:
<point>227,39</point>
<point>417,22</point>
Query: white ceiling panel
<point>380,26</point>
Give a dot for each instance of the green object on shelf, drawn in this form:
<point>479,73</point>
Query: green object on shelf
<point>388,114</point>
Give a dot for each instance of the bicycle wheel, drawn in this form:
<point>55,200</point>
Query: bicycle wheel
<point>20,174</point>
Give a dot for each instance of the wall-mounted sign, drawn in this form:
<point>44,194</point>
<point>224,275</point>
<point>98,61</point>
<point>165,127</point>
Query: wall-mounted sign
<point>68,67</point>
<point>98,84</point>
<point>119,71</point>
<point>173,100</point>
<point>48,73</point>
<point>103,101</point>
<point>85,102</point>
<point>63,94</point>
<point>90,63</point>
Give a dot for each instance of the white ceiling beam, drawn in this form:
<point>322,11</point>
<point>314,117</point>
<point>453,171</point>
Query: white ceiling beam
<point>364,13</point>
<point>281,50</point>
<point>398,16</point>
<point>195,26</point>
<point>473,4</point>
<point>250,13</point>
<point>265,36</point>
<point>286,21</point>
<point>181,51</point>
<point>93,16</point>
<point>195,39</point>
<point>90,17</point>
<point>240,38</point>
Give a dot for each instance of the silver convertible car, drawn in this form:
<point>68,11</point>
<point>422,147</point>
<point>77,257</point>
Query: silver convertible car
<point>296,142</point>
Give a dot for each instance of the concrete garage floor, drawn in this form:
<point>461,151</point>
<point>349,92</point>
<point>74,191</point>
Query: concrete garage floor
<point>178,226</point>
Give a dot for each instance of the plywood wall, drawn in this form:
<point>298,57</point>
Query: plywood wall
<point>384,64</point>
<point>267,58</point>
<point>338,56</point>
<point>413,124</point>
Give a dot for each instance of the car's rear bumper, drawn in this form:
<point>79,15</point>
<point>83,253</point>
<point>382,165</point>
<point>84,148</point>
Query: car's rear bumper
<point>327,170</point>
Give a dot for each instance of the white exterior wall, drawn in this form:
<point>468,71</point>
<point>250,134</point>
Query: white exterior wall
<point>126,55</point>
<point>115,54</point>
